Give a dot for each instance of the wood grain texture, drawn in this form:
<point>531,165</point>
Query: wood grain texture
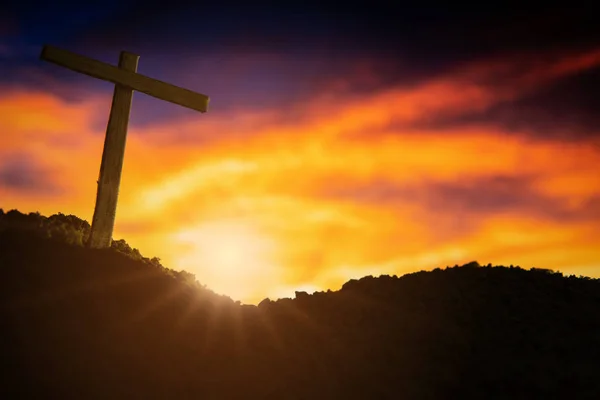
<point>131,79</point>
<point>112,159</point>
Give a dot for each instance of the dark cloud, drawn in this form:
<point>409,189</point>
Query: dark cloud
<point>401,44</point>
<point>565,109</point>
<point>21,173</point>
<point>428,31</point>
<point>431,35</point>
<point>466,201</point>
<point>218,47</point>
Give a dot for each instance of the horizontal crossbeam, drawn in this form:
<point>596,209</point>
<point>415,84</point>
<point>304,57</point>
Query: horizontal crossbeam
<point>141,83</point>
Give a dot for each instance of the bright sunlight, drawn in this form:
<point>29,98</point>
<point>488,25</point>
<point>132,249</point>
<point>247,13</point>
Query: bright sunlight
<point>231,257</point>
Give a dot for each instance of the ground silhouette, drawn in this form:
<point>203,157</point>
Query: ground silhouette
<point>82,323</point>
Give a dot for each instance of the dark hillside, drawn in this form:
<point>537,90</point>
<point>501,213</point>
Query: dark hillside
<point>111,324</point>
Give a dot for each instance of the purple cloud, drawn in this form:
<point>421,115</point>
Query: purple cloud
<point>24,174</point>
<point>472,199</point>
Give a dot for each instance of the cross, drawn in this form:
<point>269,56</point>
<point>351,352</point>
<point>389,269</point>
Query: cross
<point>126,80</point>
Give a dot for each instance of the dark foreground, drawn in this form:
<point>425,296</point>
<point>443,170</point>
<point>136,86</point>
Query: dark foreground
<point>83,324</point>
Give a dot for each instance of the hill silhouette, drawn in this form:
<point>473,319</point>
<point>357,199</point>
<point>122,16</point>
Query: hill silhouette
<point>82,323</point>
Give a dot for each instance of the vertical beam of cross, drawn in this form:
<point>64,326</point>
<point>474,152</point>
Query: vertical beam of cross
<point>112,159</point>
<point>126,80</point>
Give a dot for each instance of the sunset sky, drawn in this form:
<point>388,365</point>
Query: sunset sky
<point>339,143</point>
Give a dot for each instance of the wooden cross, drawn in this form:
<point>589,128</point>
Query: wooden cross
<point>126,80</point>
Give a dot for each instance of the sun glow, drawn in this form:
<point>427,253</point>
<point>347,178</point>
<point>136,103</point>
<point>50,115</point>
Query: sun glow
<point>230,257</point>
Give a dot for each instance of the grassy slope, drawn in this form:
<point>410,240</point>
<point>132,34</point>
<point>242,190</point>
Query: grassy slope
<point>81,323</point>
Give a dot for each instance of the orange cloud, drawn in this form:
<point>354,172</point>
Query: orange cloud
<point>245,201</point>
